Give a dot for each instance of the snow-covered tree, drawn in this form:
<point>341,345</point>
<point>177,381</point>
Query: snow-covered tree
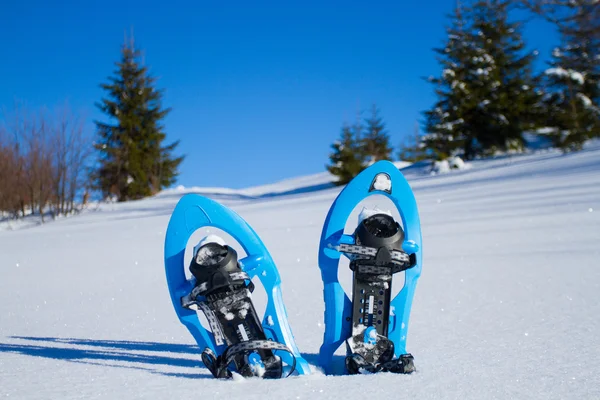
<point>487,93</point>
<point>573,78</point>
<point>445,128</point>
<point>376,141</point>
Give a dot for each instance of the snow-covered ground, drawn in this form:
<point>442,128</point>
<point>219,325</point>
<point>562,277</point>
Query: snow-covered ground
<point>508,305</point>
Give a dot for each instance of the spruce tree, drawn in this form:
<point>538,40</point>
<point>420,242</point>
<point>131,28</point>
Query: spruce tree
<point>487,91</point>
<point>574,77</point>
<point>134,161</point>
<point>376,141</point>
<point>445,127</point>
<point>509,102</point>
<point>347,159</point>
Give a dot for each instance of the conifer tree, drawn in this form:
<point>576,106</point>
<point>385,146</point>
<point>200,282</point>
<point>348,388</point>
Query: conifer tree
<point>574,76</point>
<point>446,130</point>
<point>134,161</point>
<point>376,141</point>
<point>487,92</point>
<point>347,159</point>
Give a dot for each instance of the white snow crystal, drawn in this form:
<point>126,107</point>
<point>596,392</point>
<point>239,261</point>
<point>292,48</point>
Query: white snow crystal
<point>382,182</point>
<point>373,334</point>
<point>545,131</point>
<point>559,71</point>
<point>587,103</point>
<point>446,166</point>
<point>441,167</point>
<point>449,73</point>
<point>368,212</point>
<point>212,239</point>
<point>577,76</point>
<point>457,163</point>
<point>556,52</point>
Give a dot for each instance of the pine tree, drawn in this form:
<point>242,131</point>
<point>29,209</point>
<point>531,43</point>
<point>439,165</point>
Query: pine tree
<point>134,162</point>
<point>574,77</point>
<point>347,159</point>
<point>376,141</point>
<point>487,92</point>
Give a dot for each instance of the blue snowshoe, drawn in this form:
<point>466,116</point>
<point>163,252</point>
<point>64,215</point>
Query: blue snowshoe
<point>221,287</point>
<point>372,324</point>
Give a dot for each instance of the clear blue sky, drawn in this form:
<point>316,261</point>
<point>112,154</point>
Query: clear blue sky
<point>259,90</point>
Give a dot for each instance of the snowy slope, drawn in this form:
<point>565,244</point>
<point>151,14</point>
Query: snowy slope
<point>507,307</point>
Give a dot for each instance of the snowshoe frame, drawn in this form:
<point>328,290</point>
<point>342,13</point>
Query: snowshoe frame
<point>385,179</point>
<point>194,212</point>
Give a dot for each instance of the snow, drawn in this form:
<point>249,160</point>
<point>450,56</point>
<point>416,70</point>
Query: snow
<point>367,212</point>
<point>449,73</point>
<point>450,125</point>
<point>546,130</point>
<point>507,305</point>
<point>587,103</point>
<point>441,167</point>
<point>448,165</point>
<point>574,75</point>
<point>482,71</point>
<point>382,182</point>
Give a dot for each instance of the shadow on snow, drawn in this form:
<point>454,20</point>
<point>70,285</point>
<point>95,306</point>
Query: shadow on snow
<point>125,354</point>
<point>113,353</point>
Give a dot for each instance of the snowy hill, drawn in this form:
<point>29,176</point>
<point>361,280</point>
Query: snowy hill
<point>507,307</point>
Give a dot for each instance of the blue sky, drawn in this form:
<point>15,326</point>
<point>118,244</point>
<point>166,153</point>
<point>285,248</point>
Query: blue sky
<point>259,90</point>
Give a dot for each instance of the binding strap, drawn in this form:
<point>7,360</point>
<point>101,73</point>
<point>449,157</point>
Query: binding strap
<point>364,256</point>
<point>234,276</point>
<point>356,364</point>
<point>219,366</point>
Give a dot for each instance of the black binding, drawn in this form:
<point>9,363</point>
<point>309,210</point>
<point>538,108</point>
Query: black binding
<point>231,316</point>
<point>375,257</point>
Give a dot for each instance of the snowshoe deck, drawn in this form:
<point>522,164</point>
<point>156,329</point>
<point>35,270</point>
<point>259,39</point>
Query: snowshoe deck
<point>372,324</point>
<point>223,294</point>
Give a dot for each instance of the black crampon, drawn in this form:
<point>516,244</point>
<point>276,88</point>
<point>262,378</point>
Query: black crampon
<point>376,255</point>
<point>233,320</point>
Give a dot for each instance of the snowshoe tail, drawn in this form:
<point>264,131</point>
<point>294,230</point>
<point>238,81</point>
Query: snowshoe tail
<point>221,287</point>
<point>371,323</point>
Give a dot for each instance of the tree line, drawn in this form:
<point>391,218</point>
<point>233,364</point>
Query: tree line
<point>488,94</point>
<point>43,160</point>
<point>50,165</point>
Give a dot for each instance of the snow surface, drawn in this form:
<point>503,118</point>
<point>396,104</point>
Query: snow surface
<point>508,304</point>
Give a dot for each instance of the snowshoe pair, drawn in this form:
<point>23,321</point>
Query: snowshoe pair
<point>371,324</point>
